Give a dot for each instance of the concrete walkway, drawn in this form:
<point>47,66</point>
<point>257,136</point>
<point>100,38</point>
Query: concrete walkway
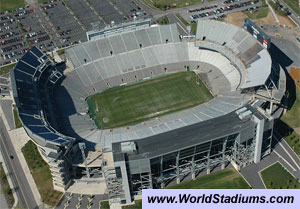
<point>251,172</point>
<point>273,12</point>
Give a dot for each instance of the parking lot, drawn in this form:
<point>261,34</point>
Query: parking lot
<point>20,30</point>
<point>58,24</point>
<point>219,10</point>
<point>69,30</point>
<point>72,201</point>
<point>12,41</point>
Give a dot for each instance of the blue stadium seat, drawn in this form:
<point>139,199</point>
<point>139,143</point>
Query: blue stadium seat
<point>36,52</point>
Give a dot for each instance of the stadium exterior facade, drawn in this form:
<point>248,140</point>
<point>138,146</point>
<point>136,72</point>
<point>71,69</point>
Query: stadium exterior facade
<point>235,127</point>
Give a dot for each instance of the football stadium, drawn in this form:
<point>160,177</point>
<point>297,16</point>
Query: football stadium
<point>141,106</point>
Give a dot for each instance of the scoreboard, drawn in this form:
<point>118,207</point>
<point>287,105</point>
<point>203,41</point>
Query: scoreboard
<point>257,33</point>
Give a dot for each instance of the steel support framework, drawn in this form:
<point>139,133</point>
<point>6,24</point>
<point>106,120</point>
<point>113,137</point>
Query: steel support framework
<point>193,160</point>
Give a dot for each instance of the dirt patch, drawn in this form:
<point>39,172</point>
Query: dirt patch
<point>267,20</point>
<point>236,18</point>
<point>297,130</point>
<point>286,21</point>
<point>295,74</point>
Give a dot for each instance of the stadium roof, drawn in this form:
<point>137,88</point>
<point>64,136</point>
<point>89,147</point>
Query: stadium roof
<point>178,139</point>
<point>259,71</point>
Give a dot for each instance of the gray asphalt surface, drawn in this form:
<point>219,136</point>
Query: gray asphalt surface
<point>290,48</point>
<point>47,26</point>
<point>84,202</point>
<point>181,27</point>
<point>282,153</point>
<point>293,15</point>
<point>6,107</point>
<point>19,180</point>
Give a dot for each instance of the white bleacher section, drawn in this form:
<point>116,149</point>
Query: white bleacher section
<point>219,61</point>
<point>242,45</point>
<point>127,57</point>
<point>122,58</point>
<point>140,54</point>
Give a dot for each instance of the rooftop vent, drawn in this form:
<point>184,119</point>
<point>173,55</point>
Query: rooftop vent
<point>128,147</point>
<point>244,114</point>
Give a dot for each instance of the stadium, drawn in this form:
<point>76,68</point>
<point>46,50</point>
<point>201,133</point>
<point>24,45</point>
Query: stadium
<point>187,104</point>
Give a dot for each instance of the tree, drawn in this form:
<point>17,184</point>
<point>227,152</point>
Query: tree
<point>277,5</point>
<point>286,12</point>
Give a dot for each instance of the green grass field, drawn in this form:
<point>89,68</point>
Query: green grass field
<point>5,69</point>
<point>164,20</point>
<point>41,174</point>
<point>137,102</point>
<point>294,4</point>
<point>137,205</point>
<point>104,204</point>
<point>228,178</point>
<point>291,116</point>
<point>276,177</point>
<point>7,5</point>
<point>290,121</point>
<point>18,123</point>
<point>260,13</point>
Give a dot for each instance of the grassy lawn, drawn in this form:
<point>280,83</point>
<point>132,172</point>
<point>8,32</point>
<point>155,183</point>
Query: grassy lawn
<point>43,1</point>
<point>137,102</point>
<point>60,52</point>
<point>294,5</point>
<point>41,174</point>
<point>18,123</point>
<point>294,141</point>
<point>163,21</point>
<point>18,206</point>
<point>289,135</point>
<point>276,177</point>
<point>260,13</point>
<point>182,19</point>
<point>5,69</point>
<point>290,120</point>
<point>149,4</point>
<point>291,117</point>
<point>7,5</point>
<point>228,178</point>
<point>104,205</point>
<point>137,205</point>
<point>277,9</point>
<point>167,4</point>
<point>5,188</point>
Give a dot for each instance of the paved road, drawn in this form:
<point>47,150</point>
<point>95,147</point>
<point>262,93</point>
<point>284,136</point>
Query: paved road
<point>14,167</point>
<point>293,16</point>
<point>7,110</point>
<point>282,153</point>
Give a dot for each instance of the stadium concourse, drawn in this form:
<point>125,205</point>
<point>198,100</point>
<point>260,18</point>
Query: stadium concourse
<point>235,127</point>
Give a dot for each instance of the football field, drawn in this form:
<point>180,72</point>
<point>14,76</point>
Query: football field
<point>130,104</point>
